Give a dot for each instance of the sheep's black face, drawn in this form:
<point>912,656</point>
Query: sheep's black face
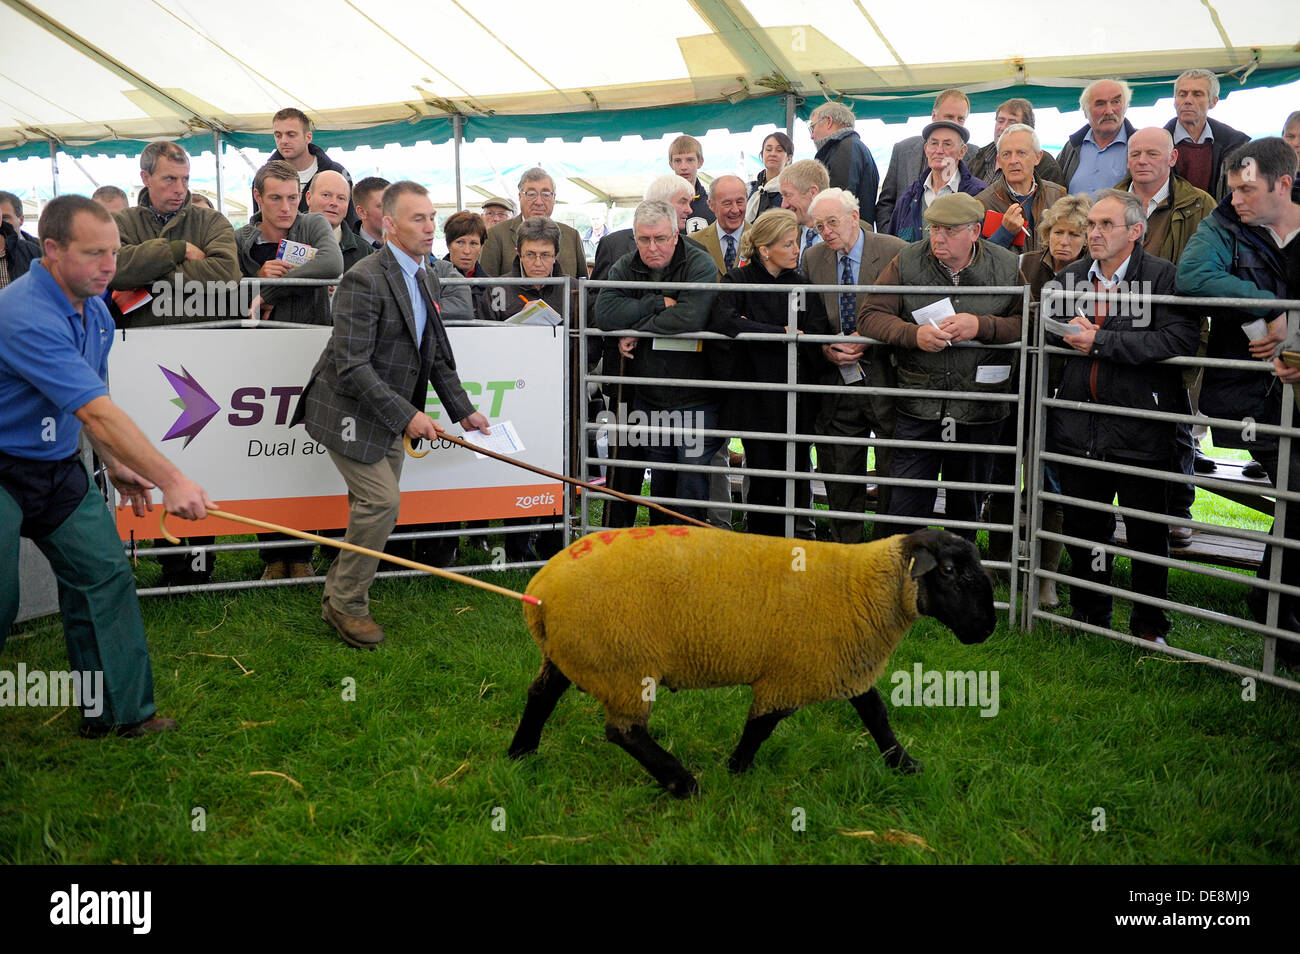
<point>951,584</point>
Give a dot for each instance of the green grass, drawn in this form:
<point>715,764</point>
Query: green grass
<point>414,768</point>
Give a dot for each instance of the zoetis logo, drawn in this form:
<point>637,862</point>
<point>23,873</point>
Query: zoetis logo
<point>197,408</point>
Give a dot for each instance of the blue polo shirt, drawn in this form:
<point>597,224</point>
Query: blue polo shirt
<point>51,365</point>
<point>1100,168</point>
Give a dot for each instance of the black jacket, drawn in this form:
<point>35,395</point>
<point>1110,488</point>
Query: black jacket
<point>738,312</point>
<point>1124,353</point>
<point>323,164</point>
<point>641,308</point>
<point>499,302</point>
<point>19,251</point>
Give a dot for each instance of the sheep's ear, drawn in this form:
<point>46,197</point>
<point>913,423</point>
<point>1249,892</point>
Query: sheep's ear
<point>923,562</point>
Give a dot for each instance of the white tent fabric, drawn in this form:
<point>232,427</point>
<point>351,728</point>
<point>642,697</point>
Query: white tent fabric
<point>80,72</point>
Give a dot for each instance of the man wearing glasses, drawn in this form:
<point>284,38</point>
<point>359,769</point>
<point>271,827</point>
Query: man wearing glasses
<point>661,256</point>
<point>1118,342</point>
<point>846,157</point>
<point>925,330</point>
<point>536,198</point>
<point>850,254</point>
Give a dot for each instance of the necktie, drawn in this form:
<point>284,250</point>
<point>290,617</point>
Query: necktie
<point>1102,313</point>
<point>808,239</point>
<point>729,256</point>
<point>848,300</point>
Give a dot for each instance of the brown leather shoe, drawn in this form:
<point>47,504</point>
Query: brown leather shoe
<point>275,570</point>
<point>1180,537</point>
<point>359,631</point>
<point>300,570</point>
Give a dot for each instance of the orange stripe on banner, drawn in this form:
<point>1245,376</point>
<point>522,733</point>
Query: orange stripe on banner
<point>323,513</point>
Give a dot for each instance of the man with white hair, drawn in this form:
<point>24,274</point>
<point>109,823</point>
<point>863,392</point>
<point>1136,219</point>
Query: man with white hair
<point>1019,194</point>
<point>983,162</point>
<point>851,253</point>
<point>662,255</point>
<point>846,157</point>
<point>677,193</point>
<point>1202,143</point>
<point>1094,156</point>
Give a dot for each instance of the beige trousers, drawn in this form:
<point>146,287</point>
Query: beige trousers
<point>373,501</point>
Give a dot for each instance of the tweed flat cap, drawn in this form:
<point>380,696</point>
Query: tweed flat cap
<point>958,209</point>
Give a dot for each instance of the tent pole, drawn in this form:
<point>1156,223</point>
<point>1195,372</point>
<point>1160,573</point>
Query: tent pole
<point>789,115</point>
<point>216,152</point>
<point>54,166</point>
<point>458,132</point>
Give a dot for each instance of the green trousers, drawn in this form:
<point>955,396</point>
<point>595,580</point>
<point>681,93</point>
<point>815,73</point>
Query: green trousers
<point>101,614</point>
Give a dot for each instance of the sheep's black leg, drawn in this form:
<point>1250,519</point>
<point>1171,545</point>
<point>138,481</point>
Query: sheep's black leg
<point>756,732</point>
<point>669,772</point>
<point>543,694</point>
<point>872,710</point>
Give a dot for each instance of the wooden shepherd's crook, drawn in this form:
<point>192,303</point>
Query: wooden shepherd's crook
<point>344,545</point>
<point>443,435</point>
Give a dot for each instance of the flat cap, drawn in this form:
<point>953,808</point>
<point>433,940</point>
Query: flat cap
<point>956,209</point>
<point>503,203</point>
<point>958,128</point>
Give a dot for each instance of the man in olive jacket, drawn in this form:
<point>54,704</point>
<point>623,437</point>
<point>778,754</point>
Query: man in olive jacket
<point>168,242</point>
<point>928,359</point>
<point>661,255</point>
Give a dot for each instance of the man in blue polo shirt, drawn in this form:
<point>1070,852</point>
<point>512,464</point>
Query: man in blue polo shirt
<point>1096,156</point>
<point>55,334</point>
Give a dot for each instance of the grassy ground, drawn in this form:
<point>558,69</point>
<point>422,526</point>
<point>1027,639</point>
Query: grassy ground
<point>414,770</point>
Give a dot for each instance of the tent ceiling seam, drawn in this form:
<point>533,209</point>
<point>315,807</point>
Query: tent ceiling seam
<point>386,32</point>
<point>871,21</point>
<point>59,31</point>
<point>511,50</point>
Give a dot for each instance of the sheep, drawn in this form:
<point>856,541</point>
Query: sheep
<point>624,612</point>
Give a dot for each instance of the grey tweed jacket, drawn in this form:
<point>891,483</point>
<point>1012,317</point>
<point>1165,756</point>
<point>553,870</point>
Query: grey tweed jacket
<point>373,374</point>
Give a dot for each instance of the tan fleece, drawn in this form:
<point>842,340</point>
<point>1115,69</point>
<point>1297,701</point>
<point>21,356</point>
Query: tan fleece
<point>624,612</point>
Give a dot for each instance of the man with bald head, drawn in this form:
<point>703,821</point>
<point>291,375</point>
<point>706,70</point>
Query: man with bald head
<point>1174,207</point>
<point>1093,158</point>
<point>328,193</point>
<point>727,200</point>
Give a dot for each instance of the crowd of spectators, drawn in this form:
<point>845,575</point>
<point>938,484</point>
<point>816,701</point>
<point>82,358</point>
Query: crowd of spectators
<point>1193,206</point>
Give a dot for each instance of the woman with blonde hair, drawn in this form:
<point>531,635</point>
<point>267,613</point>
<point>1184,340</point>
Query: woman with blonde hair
<point>769,252</point>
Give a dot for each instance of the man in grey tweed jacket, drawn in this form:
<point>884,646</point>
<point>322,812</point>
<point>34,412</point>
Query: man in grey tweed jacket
<point>368,389</point>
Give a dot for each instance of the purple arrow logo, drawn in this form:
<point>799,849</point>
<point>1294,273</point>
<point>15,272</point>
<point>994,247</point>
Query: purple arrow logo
<point>197,408</point>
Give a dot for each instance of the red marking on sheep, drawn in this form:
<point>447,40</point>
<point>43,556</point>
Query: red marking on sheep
<point>581,548</point>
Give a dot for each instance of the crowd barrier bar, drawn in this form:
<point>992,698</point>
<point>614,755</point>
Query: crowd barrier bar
<point>1284,431</point>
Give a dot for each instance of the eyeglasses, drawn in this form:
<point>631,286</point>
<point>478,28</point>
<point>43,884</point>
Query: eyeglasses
<point>651,241</point>
<point>532,194</point>
<point>946,231</point>
<point>1105,225</point>
<point>830,225</point>
<point>537,256</point>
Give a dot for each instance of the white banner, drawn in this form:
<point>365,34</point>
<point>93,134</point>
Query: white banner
<point>217,402</point>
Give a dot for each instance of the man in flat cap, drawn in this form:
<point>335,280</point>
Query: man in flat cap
<point>496,210</point>
<point>929,334</point>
